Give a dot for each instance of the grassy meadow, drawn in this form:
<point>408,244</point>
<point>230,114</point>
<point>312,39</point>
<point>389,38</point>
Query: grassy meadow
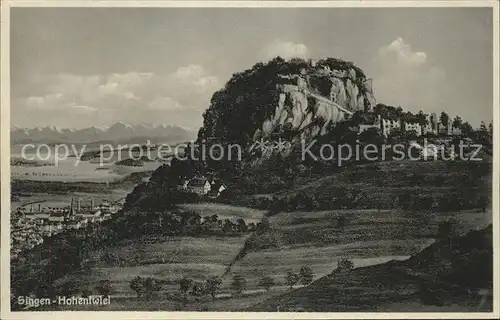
<point>224,211</point>
<point>316,239</point>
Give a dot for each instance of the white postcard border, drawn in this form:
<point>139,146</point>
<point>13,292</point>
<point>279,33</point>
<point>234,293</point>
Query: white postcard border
<point>5,163</point>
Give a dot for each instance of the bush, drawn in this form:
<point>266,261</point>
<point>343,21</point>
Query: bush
<point>291,279</point>
<point>212,285</point>
<point>104,287</point>
<point>145,286</point>
<point>86,293</point>
<point>266,283</point>
<point>343,264</point>
<point>185,284</point>
<point>152,286</point>
<point>197,290</point>
<point>137,284</point>
<point>239,283</point>
<point>306,275</point>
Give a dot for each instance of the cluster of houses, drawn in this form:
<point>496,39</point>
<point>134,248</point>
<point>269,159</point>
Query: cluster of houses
<point>432,127</point>
<point>30,226</point>
<point>203,186</point>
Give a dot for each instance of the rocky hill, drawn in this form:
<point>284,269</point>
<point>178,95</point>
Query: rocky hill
<point>302,97</point>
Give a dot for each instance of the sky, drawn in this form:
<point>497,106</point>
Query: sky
<point>81,67</point>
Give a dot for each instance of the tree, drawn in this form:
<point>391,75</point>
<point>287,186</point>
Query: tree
<point>197,290</point>
<point>422,118</point>
<point>483,134</point>
<point>396,132</point>
<point>266,283</point>
<point>104,287</point>
<point>210,223</point>
<point>291,279</point>
<point>371,135</point>
<point>344,264</point>
<point>212,285</point>
<point>151,286</point>
<point>264,225</point>
<point>251,226</point>
<point>185,284</point>
<point>228,227</point>
<point>467,130</point>
<point>239,283</point>
<point>306,275</point>
<point>457,122</point>
<point>241,226</point>
<point>137,284</point>
<point>398,112</point>
<point>444,118</point>
<point>86,293</point>
<point>357,118</point>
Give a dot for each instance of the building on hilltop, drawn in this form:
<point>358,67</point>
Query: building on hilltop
<point>413,127</point>
<point>388,125</point>
<point>312,62</point>
<point>432,124</point>
<point>216,187</point>
<point>200,186</point>
<point>456,131</point>
<point>183,186</point>
<point>444,130</point>
<point>203,186</point>
<point>365,127</point>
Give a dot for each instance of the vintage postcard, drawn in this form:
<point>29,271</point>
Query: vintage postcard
<point>288,160</point>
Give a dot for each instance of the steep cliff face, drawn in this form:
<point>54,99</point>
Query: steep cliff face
<point>298,96</point>
<point>318,98</point>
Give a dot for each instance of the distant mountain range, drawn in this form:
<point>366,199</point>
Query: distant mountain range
<point>117,133</point>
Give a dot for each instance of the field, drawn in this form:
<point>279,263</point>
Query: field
<point>403,184</point>
<point>368,225</point>
<point>224,211</point>
<point>316,239</point>
<point>377,288</point>
<point>168,259</point>
<point>399,286</point>
<point>172,258</point>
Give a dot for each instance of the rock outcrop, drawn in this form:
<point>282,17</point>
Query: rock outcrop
<point>295,96</point>
<point>302,106</point>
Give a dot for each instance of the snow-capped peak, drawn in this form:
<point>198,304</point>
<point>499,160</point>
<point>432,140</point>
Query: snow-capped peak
<point>121,123</point>
<point>119,131</point>
<point>54,128</point>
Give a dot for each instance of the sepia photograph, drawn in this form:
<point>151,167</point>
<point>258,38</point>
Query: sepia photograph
<point>293,159</point>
